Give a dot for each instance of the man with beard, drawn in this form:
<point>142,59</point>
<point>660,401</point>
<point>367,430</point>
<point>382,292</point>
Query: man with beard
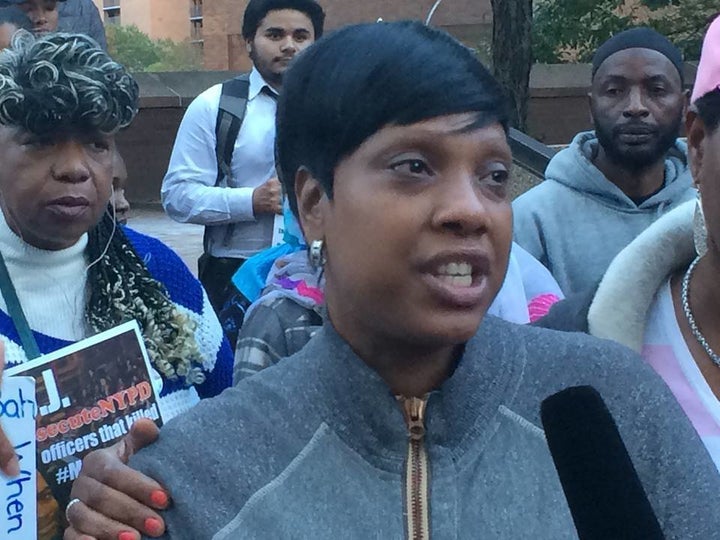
<point>229,184</point>
<point>612,183</point>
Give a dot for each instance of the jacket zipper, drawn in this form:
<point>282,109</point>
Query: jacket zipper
<point>417,500</point>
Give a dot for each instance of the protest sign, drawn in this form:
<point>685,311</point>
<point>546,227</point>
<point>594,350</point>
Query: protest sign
<point>88,395</point>
<point>278,236</point>
<point>18,519</point>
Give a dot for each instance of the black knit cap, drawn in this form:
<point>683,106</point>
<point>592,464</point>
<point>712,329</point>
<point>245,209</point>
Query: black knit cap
<point>639,38</point>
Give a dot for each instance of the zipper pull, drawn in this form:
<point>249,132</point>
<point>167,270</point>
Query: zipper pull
<point>414,412</point>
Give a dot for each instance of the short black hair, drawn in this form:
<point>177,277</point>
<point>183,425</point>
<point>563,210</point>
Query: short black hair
<point>352,83</point>
<point>257,10</point>
<point>15,16</point>
<point>708,109</point>
<point>640,37</point>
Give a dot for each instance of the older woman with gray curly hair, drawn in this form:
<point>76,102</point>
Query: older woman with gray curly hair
<point>71,270</point>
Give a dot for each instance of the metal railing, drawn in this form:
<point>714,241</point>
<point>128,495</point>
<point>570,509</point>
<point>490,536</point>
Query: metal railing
<point>529,153</point>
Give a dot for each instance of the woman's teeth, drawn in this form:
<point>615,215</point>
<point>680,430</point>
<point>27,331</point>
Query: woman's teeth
<point>456,274</point>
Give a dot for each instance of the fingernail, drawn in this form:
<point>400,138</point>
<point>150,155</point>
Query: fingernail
<point>126,535</point>
<point>153,526</point>
<point>12,469</point>
<point>159,498</point>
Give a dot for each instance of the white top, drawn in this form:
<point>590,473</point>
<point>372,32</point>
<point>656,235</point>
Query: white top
<point>666,351</point>
<point>527,282</point>
<point>188,192</point>
<point>51,285</point>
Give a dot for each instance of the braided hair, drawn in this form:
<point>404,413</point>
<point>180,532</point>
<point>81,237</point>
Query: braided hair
<point>66,82</point>
<point>122,289</point>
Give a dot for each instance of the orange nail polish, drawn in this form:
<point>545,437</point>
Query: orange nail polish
<point>153,526</point>
<point>159,498</point>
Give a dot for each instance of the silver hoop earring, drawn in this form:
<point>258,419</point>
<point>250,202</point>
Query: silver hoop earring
<point>699,228</point>
<point>317,254</point>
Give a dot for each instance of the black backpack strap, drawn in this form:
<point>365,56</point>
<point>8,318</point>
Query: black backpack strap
<point>233,104</point>
<point>231,112</point>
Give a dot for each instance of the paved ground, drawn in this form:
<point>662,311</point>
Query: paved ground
<point>184,239</point>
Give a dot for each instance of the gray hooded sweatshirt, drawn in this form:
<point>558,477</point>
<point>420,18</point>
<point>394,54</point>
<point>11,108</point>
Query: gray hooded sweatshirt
<point>318,447</point>
<point>577,221</point>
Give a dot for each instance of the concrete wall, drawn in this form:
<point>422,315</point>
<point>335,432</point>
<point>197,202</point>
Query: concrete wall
<point>558,106</point>
<point>558,110</point>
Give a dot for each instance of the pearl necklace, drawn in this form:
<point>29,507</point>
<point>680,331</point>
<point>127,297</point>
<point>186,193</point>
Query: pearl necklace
<point>685,296</point>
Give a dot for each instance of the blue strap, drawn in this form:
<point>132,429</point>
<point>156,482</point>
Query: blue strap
<point>27,339</point>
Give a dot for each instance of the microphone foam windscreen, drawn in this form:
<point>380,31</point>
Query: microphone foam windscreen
<point>604,493</point>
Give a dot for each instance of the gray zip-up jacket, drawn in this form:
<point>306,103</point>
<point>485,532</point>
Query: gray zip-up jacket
<point>317,447</point>
<point>577,221</point>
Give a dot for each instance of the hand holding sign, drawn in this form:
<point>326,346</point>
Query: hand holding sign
<point>9,463</point>
<point>115,498</point>
<point>18,515</point>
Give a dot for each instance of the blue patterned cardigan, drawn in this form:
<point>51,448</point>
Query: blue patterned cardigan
<point>187,293</point>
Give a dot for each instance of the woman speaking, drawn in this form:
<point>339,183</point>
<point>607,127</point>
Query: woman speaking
<point>410,414</point>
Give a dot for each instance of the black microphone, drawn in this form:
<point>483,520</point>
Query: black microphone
<point>602,488</point>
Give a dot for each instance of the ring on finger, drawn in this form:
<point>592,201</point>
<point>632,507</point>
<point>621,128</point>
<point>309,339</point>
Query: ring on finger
<point>69,506</point>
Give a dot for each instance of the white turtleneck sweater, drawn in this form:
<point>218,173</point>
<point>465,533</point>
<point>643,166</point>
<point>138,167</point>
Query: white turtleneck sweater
<point>51,285</point>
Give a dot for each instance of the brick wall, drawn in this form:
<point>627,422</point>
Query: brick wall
<point>223,46</point>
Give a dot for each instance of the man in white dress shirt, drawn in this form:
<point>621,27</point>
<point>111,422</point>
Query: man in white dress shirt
<point>239,211</point>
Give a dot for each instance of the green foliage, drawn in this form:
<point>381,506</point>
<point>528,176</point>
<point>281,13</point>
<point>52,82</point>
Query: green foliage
<point>571,30</point>
<point>131,47</point>
<point>177,56</point>
<point>138,52</point>
<point>686,24</point>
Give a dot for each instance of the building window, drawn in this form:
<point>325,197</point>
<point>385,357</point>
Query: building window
<point>196,10</point>
<point>112,16</point>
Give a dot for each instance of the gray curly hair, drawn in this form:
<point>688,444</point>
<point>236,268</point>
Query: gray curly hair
<point>64,81</point>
